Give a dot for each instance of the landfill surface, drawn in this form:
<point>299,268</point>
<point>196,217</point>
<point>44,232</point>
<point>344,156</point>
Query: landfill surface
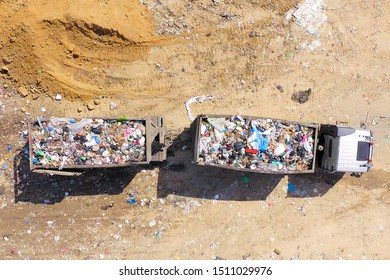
<point>264,145</point>
<point>82,59</point>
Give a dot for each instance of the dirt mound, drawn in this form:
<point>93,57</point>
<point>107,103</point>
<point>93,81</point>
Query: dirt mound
<point>70,47</point>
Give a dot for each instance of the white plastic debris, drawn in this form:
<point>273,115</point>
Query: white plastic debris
<point>309,15</point>
<point>310,46</point>
<point>117,236</point>
<point>196,99</point>
<point>58,97</point>
<point>113,105</point>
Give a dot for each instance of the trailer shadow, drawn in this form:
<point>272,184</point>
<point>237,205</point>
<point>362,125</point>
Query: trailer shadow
<point>47,189</point>
<point>189,180</point>
<point>179,175</point>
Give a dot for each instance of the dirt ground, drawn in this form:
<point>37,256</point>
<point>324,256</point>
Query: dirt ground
<point>148,57</point>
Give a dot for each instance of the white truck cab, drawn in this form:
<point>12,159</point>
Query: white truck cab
<point>346,149</point>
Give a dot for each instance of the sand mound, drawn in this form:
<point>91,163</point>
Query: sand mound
<point>69,47</point>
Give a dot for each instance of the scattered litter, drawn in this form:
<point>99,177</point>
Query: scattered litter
<point>196,99</point>
<point>258,144</point>
<point>57,238</point>
<point>277,251</point>
<point>310,46</point>
<point>43,109</point>
<point>117,236</point>
<point>113,105</point>
<point>58,97</point>
<point>131,201</point>
<point>271,239</point>
<point>288,54</point>
<point>246,180</point>
<point>2,107</point>
<point>309,15</point>
<point>302,210</point>
<point>159,67</point>
<point>152,223</point>
<point>9,148</point>
<point>301,96</point>
<point>213,245</point>
<point>60,142</point>
<point>157,234</point>
<point>291,187</point>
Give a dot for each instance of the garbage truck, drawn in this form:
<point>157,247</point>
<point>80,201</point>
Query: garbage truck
<point>69,146</point>
<point>266,145</point>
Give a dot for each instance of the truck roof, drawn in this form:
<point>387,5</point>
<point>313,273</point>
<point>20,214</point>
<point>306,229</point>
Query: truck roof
<point>354,151</point>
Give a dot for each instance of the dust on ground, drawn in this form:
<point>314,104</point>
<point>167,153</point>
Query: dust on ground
<point>143,58</point>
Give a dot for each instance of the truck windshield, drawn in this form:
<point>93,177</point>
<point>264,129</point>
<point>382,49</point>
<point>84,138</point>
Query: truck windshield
<point>363,152</point>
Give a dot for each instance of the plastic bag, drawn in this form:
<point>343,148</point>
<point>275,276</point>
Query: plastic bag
<point>73,127</point>
<point>257,140</point>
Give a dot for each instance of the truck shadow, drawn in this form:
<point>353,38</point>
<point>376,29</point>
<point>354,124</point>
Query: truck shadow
<point>46,189</point>
<point>311,185</point>
<point>179,175</point>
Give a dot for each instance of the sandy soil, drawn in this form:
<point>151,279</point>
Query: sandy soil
<point>148,58</point>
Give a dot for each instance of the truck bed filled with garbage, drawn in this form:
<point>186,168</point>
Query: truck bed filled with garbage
<point>59,143</point>
<point>256,144</point>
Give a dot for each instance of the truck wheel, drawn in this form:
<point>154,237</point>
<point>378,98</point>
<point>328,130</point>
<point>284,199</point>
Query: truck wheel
<point>357,174</point>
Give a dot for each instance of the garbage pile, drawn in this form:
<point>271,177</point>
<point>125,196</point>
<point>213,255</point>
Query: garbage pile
<point>60,142</point>
<point>258,144</point>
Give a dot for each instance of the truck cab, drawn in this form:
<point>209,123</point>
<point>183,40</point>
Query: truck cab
<point>345,149</point>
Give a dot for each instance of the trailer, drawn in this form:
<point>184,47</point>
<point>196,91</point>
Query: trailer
<point>69,146</point>
<point>266,145</point>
